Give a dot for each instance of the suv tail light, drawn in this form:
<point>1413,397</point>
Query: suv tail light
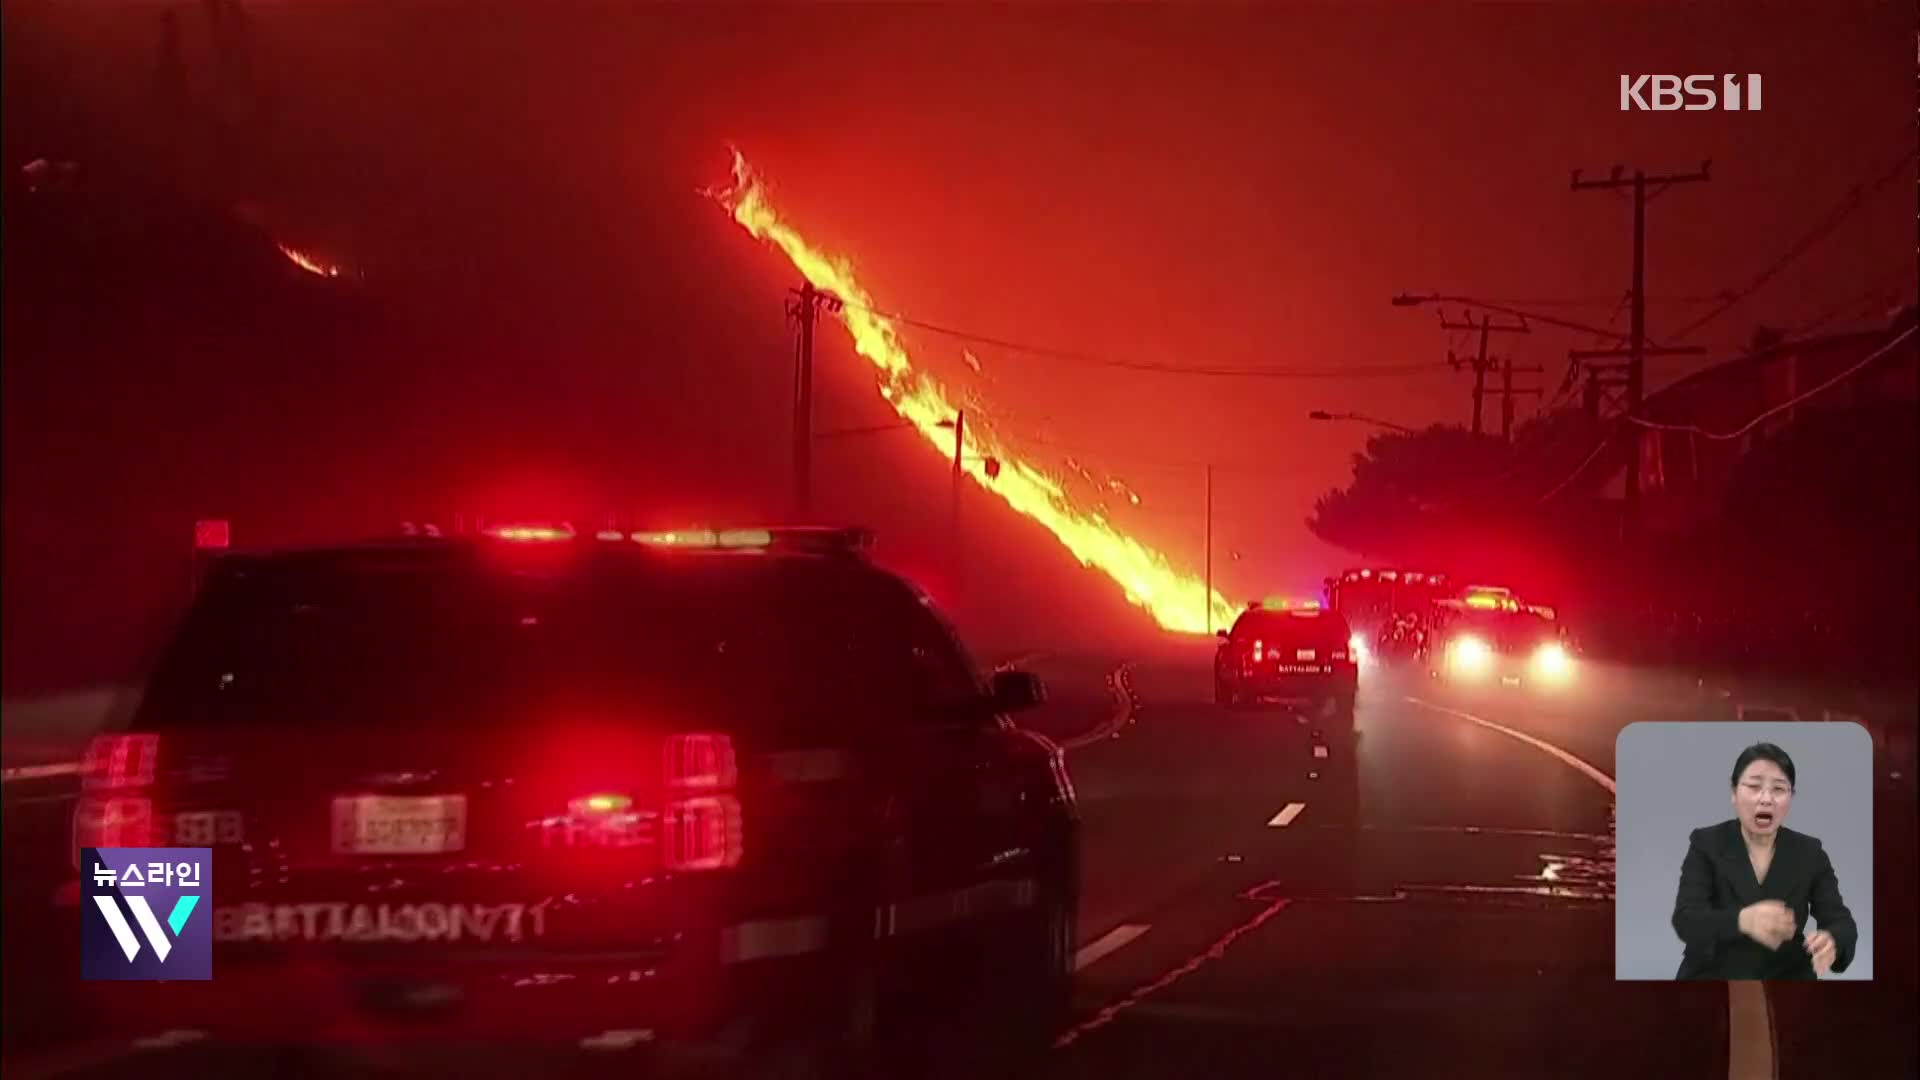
<point>698,814</point>
<point>701,833</point>
<point>120,761</point>
<point>700,762</point>
<point>116,807</point>
<point>701,829</point>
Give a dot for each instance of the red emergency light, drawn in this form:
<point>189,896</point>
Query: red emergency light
<point>530,534</point>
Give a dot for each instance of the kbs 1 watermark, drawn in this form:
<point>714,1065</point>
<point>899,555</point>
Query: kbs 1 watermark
<point>146,914</point>
<point>1690,93</point>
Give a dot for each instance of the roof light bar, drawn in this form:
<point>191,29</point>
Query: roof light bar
<point>530,534</point>
<point>822,540</point>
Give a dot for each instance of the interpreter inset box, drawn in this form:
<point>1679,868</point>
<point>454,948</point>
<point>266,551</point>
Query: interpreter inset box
<point>1745,851</point>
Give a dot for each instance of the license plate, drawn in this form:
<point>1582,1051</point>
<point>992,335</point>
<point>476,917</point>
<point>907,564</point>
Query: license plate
<point>395,825</point>
<point>205,828</point>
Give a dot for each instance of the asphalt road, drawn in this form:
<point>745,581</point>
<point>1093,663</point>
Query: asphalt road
<point>1428,893</point>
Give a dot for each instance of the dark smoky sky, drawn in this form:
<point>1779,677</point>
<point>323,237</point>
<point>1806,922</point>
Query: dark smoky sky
<point>563,324</point>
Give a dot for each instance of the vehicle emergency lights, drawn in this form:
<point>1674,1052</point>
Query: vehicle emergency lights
<point>813,539</point>
<point>707,538</point>
<point>530,534</point>
<point>1286,603</point>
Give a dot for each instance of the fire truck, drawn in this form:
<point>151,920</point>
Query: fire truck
<point>1390,609</point>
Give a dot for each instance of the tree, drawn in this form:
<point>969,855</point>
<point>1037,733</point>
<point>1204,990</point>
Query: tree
<point>1409,493</point>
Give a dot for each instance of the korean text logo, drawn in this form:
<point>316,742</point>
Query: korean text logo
<point>142,914</point>
<point>1692,93</point>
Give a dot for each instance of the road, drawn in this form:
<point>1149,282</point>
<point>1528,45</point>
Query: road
<point>1430,893</point>
<point>1427,893</point>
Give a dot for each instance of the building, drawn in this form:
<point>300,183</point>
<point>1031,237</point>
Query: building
<point>1701,426</point>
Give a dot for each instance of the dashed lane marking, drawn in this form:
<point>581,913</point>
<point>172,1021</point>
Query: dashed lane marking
<point>1107,944</point>
<point>1286,815</point>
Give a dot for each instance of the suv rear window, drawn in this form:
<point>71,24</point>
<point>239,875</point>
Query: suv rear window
<point>407,641</point>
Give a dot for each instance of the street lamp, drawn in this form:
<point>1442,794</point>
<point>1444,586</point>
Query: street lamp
<point>1322,414</point>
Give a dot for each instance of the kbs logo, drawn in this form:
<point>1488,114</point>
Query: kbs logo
<point>142,918</point>
<point>1692,93</point>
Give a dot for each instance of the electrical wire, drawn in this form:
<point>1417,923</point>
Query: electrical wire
<point>1783,406</point>
<point>1873,291</point>
<point>1068,356</point>
<point>1600,302</point>
<point>1856,198</point>
<point>1577,469</point>
<point>1151,462</point>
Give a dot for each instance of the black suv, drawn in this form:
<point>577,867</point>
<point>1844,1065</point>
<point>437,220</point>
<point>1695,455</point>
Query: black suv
<point>1302,657</point>
<point>736,794</point>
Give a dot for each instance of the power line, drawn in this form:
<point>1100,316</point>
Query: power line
<point>1859,300</point>
<point>1783,406</point>
<point>1068,356</point>
<point>1152,462</point>
<point>1578,469</point>
<point>1600,301</point>
<point>1856,198</point>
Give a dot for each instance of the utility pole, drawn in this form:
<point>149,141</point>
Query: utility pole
<point>1479,362</point>
<point>959,448</point>
<point>1636,350</point>
<point>805,308</point>
<point>1507,391</point>
<point>1207,600</point>
<point>959,476</point>
<point>1606,381</point>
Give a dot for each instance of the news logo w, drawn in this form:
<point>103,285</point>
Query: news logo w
<point>1693,93</point>
<point>149,925</point>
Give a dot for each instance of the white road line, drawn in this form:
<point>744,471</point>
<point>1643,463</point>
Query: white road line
<point>1286,815</point>
<point>1108,943</point>
<point>1750,1027</point>
<point>1592,773</point>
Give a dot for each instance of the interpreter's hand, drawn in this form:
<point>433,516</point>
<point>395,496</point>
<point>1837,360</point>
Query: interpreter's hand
<point>1823,949</point>
<point>1768,922</point>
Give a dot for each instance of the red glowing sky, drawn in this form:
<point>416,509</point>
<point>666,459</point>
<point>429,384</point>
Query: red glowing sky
<point>1191,186</point>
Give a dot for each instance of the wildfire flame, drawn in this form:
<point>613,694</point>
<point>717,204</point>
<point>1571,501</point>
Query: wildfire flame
<point>308,263</point>
<point>1176,601</point>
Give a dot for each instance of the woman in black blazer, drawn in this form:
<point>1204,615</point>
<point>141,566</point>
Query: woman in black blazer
<point>1747,886</point>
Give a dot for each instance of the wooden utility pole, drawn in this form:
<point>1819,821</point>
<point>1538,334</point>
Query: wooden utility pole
<point>1636,351</point>
<point>806,309</point>
<point>1479,361</point>
<point>1508,390</point>
<point>1207,600</point>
